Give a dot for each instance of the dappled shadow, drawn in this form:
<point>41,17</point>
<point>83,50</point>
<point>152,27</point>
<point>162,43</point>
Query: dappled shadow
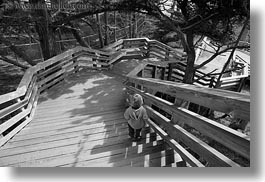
<point>92,104</point>
<point>65,86</point>
<point>117,150</point>
<point>88,93</point>
<point>100,93</point>
<point>148,152</point>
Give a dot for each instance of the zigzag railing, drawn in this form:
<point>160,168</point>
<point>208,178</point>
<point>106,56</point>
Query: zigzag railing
<point>176,70</point>
<point>170,121</point>
<point>17,108</point>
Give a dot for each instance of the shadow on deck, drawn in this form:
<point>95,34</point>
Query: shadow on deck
<point>80,122</point>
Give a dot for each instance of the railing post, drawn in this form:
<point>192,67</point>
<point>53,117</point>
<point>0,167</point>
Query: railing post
<point>148,49</point>
<point>167,55</point>
<point>95,60</point>
<point>163,73</point>
<point>154,72</point>
<point>170,68</point>
<point>23,108</point>
<point>75,66</point>
<point>241,84</point>
<point>211,85</point>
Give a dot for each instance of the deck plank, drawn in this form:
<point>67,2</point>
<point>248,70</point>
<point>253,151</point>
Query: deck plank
<point>80,122</point>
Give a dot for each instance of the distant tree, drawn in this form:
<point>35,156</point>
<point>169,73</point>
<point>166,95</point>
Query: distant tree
<point>188,19</point>
<point>106,28</point>
<point>15,26</point>
<point>99,31</point>
<point>46,33</point>
<point>191,18</point>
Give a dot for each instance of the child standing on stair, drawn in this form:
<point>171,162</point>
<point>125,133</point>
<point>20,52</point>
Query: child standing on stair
<point>136,116</point>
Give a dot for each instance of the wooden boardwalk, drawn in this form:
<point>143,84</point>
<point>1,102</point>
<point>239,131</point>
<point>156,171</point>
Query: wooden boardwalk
<point>79,123</point>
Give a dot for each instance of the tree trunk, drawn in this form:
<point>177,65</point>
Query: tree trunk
<point>115,24</point>
<point>134,33</point>
<point>106,28</point>
<point>127,34</point>
<point>218,84</point>
<point>99,31</point>
<point>130,25</point>
<point>190,71</point>
<point>45,32</point>
<point>77,36</point>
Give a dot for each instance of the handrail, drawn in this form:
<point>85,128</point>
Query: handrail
<point>242,101</point>
<point>216,99</point>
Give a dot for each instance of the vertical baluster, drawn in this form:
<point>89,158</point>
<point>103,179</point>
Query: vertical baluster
<point>141,75</point>
<point>211,85</point>
<point>163,73</point>
<point>154,72</point>
<point>167,55</point>
<point>75,63</point>
<point>169,72</point>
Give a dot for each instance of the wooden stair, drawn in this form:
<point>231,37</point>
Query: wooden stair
<point>79,123</point>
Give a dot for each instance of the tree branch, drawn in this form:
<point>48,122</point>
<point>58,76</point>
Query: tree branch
<point>17,51</point>
<point>198,22</point>
<point>4,58</point>
<point>227,71</point>
<point>218,53</point>
<point>199,40</point>
<point>208,74</point>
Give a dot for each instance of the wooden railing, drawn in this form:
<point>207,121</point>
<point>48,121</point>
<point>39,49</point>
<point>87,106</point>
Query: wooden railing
<point>200,78</point>
<point>17,108</point>
<point>233,83</point>
<point>171,121</point>
<point>175,70</point>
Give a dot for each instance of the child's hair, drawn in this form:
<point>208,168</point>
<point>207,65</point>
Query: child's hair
<point>137,101</point>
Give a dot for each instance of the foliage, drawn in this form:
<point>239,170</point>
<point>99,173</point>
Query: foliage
<point>187,19</point>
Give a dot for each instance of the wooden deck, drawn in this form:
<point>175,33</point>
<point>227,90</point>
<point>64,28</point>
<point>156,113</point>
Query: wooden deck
<point>79,123</point>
